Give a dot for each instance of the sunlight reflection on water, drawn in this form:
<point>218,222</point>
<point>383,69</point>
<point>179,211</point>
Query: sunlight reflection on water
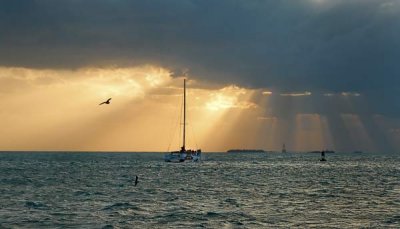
<point>96,190</point>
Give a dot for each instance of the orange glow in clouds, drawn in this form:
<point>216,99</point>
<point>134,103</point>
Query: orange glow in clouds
<point>58,110</point>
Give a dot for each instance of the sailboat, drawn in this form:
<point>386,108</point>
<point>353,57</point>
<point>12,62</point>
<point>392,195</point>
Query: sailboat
<point>183,155</point>
<point>283,148</point>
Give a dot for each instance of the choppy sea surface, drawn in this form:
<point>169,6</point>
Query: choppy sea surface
<point>96,190</point>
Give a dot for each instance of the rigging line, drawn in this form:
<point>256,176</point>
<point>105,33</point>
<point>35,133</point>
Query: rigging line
<point>194,136</point>
<point>180,119</point>
<point>172,129</point>
<point>191,127</point>
<point>174,126</point>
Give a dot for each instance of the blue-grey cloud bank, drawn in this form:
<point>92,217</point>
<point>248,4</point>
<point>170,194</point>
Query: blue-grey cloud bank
<point>304,45</point>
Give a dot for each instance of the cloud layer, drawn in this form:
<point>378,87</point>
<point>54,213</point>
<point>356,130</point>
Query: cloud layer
<point>305,45</point>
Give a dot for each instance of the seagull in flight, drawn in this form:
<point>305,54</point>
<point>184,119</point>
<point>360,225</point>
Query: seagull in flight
<point>106,102</point>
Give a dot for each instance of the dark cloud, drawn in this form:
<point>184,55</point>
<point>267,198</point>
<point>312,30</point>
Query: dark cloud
<point>304,45</point>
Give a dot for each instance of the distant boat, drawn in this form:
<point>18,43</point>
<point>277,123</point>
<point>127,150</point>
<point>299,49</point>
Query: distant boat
<point>283,148</point>
<point>183,154</point>
<point>245,151</point>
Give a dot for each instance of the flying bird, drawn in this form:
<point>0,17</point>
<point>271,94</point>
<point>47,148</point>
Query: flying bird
<point>136,180</point>
<point>106,102</point>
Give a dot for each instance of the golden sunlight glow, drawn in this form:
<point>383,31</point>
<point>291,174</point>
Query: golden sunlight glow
<point>357,131</point>
<point>220,102</point>
<point>306,93</point>
<point>59,110</point>
<point>271,128</point>
<point>228,97</point>
<point>223,111</point>
<point>267,92</point>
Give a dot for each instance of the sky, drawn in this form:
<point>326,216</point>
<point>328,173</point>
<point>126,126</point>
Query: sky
<point>310,74</point>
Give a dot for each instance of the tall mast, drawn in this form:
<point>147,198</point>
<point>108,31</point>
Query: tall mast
<point>184,113</point>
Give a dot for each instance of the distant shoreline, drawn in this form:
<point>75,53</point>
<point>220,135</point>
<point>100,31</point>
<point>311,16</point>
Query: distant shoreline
<point>245,151</point>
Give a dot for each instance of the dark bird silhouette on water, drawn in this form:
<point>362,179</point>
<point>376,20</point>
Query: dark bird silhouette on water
<point>136,180</point>
<point>106,102</point>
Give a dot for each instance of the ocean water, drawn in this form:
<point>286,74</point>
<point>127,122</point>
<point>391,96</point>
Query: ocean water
<point>96,190</point>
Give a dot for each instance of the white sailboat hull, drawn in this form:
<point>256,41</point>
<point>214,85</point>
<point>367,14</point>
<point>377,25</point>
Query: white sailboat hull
<point>182,157</point>
<point>174,157</point>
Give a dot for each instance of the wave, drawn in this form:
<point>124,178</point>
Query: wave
<point>35,205</point>
<point>121,206</point>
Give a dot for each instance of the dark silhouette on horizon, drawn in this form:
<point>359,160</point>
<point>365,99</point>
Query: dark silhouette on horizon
<point>106,102</point>
<point>322,156</point>
<point>136,180</point>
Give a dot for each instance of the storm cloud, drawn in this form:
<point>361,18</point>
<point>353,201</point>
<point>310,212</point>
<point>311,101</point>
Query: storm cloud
<point>321,46</point>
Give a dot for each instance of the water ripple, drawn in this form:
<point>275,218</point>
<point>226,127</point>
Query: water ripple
<point>96,190</point>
